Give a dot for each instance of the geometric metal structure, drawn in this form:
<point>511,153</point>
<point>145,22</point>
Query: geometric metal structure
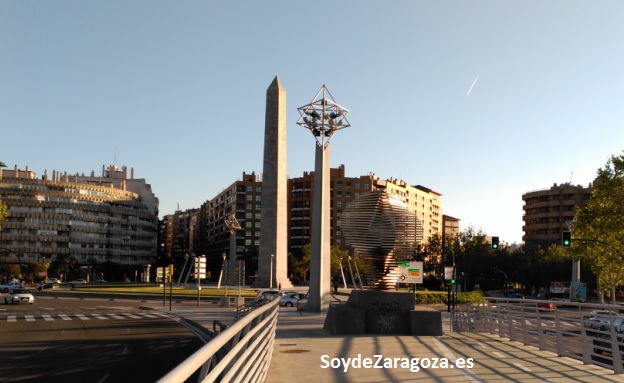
<point>322,117</point>
<point>384,231</point>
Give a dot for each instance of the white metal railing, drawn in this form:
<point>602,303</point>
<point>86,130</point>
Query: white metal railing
<point>241,353</point>
<point>561,327</point>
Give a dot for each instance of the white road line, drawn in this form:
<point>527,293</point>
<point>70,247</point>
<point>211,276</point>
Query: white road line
<point>132,316</point>
<point>64,317</point>
<point>445,352</point>
<point>82,317</point>
<point>520,366</point>
<point>11,318</point>
<point>48,317</point>
<point>115,316</point>
<point>499,354</point>
<point>98,316</point>
<point>29,318</point>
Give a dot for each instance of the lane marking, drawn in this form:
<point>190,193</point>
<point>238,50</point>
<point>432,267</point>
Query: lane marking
<point>64,317</point>
<point>11,318</point>
<point>82,317</point>
<point>48,317</point>
<point>499,354</point>
<point>29,318</point>
<point>445,352</point>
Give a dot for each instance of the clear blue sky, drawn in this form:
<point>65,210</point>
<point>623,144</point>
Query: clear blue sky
<point>176,90</point>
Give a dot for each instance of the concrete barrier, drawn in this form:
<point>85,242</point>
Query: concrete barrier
<point>425,321</point>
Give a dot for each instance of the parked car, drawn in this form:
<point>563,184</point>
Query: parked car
<point>77,282</point>
<point>19,296</point>
<point>290,299</point>
<point>52,280</point>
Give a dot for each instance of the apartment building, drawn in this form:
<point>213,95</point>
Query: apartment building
<point>548,212</point>
<point>244,198</point>
<point>110,218</point>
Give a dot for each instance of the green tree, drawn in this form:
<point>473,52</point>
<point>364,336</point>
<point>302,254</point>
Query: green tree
<point>598,233</point>
<point>4,213</point>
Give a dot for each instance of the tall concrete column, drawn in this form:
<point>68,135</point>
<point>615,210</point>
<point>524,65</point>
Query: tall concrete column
<point>320,284</point>
<point>273,252</point>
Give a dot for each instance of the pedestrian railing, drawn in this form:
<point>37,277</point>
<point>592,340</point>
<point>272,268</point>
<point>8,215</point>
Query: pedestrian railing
<point>240,353</point>
<point>566,328</point>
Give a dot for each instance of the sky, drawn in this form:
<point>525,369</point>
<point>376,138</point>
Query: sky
<point>481,101</point>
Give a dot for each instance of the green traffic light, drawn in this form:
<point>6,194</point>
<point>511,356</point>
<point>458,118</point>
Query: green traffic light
<point>452,281</point>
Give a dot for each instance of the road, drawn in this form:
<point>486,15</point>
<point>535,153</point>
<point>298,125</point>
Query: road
<point>82,340</point>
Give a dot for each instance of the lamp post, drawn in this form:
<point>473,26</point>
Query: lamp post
<point>323,117</point>
<point>271,272</point>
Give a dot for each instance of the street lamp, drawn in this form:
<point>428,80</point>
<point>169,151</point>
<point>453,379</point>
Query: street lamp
<point>323,117</point>
<point>271,272</point>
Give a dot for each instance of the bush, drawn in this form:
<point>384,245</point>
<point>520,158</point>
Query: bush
<point>432,298</point>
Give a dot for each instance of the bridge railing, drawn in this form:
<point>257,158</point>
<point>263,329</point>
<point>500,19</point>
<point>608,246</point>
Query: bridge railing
<point>566,328</point>
<point>242,352</point>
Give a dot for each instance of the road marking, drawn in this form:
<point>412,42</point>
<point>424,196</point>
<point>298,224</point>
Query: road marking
<point>115,316</point>
<point>98,316</point>
<point>132,316</point>
<point>64,317</point>
<point>47,317</point>
<point>445,352</point>
<point>11,318</point>
<point>82,317</point>
<point>520,366</point>
<point>29,318</point>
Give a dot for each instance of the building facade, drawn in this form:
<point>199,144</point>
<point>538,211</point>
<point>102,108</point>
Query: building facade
<point>244,197</point>
<point>96,220</point>
<point>548,212</point>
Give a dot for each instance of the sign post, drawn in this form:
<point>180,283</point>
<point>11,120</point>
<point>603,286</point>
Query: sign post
<point>200,273</point>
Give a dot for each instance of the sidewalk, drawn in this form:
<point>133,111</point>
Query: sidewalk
<point>304,353</point>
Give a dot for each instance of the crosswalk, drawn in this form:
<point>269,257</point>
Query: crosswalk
<point>12,318</point>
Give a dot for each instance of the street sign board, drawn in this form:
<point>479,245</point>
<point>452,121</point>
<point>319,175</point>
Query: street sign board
<point>200,267</point>
<point>410,272</point>
<point>448,272</point>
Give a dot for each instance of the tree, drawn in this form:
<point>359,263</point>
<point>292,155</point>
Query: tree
<point>4,213</point>
<point>598,233</point>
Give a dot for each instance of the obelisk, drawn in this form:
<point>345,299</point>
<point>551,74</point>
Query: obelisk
<point>273,252</point>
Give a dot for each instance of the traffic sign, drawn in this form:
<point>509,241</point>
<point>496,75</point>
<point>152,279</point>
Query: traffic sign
<point>200,267</point>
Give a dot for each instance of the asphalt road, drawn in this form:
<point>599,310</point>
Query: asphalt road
<point>82,340</point>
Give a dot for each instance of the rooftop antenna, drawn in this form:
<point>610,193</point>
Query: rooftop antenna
<point>571,176</point>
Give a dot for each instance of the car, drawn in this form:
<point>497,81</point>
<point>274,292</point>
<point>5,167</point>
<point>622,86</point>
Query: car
<point>271,292</point>
<point>291,299</point>
<point>77,282</point>
<point>546,305</point>
<point>12,285</point>
<point>19,296</point>
<point>599,318</point>
<point>515,296</point>
<point>100,281</point>
<point>53,280</point>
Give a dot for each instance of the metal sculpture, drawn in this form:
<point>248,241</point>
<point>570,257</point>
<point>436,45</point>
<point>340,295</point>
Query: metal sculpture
<point>384,231</point>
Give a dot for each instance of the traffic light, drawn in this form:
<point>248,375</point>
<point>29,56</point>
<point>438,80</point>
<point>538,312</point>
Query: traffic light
<point>566,238</point>
<point>494,243</point>
<point>453,281</point>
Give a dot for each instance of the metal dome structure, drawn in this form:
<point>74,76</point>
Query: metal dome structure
<point>384,231</point>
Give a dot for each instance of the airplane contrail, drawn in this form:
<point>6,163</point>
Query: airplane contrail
<point>473,84</point>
